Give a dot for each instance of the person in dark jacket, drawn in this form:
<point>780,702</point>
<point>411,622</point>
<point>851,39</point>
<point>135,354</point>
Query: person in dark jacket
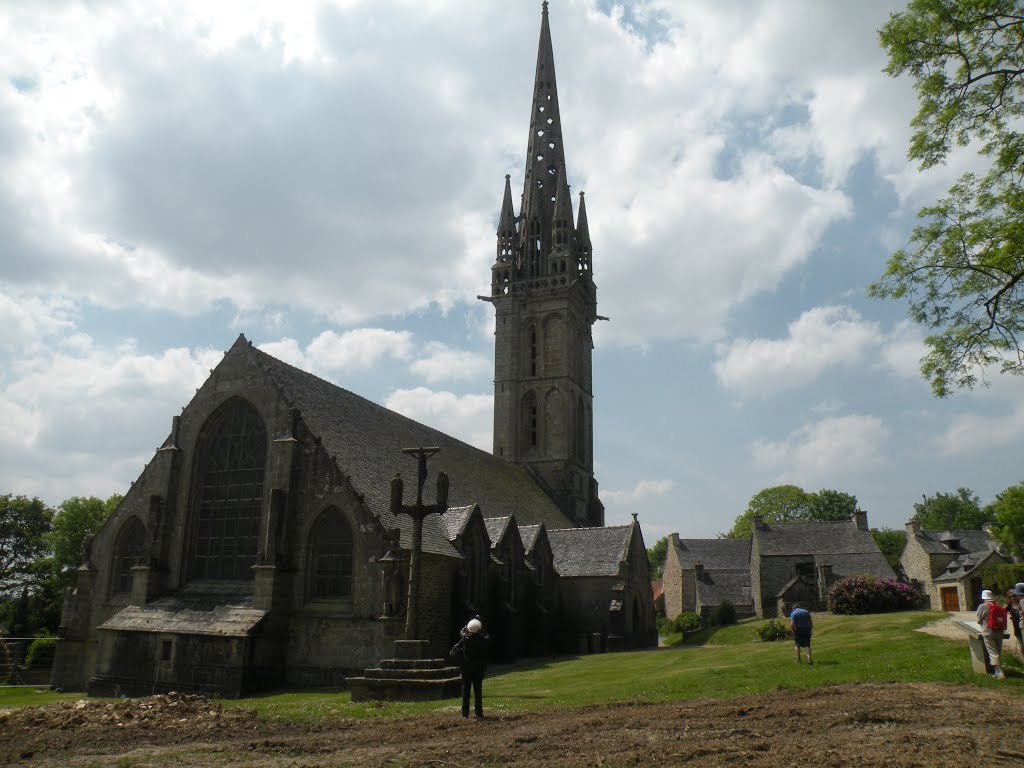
<point>474,649</point>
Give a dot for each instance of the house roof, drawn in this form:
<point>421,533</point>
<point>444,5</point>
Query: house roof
<point>193,611</point>
<point>966,564</point>
<point>589,551</point>
<point>714,554</point>
<point>496,527</point>
<point>453,522</point>
<point>528,533</point>
<point>838,537</point>
<point>365,441</point>
<point>944,542</point>
<point>716,586</point>
<point>851,563</point>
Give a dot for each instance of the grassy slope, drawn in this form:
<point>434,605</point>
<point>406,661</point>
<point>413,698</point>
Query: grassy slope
<point>730,662</point>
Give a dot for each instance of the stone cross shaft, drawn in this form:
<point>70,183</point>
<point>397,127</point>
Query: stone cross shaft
<point>417,512</point>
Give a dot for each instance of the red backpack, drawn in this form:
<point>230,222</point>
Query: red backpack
<point>996,617</point>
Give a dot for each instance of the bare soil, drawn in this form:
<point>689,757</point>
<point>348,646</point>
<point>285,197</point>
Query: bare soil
<point>851,725</point>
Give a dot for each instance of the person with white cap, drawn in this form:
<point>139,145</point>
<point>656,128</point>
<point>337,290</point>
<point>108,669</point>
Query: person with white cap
<point>473,651</point>
<point>992,620</point>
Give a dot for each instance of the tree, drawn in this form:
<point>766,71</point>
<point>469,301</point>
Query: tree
<point>656,557</point>
<point>962,272</point>
<point>960,511</point>
<point>791,503</point>
<point>24,525</point>
<point>1008,519</point>
<point>76,520</point>
<point>832,505</point>
<point>890,543</point>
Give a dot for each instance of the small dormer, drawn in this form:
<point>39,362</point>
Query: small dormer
<point>951,540</point>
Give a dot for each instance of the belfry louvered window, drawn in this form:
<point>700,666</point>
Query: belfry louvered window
<point>231,469</point>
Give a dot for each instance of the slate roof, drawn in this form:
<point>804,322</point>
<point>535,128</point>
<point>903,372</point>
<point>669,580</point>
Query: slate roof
<point>453,522</point>
<point>714,554</point>
<point>826,538</point>
<point>193,611</point>
<point>966,564</point>
<point>589,551</point>
<point>496,528</point>
<point>716,586</point>
<point>528,533</point>
<point>365,440</point>
<point>933,542</point>
<point>851,563</point>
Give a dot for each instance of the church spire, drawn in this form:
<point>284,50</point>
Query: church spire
<point>583,246</point>
<point>545,157</point>
<point>506,227</point>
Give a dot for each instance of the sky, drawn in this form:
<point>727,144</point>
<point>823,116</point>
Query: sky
<point>326,178</point>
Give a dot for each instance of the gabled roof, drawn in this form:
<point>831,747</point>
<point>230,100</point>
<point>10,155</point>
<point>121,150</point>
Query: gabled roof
<point>496,528</point>
<point>938,542</point>
<point>966,564</point>
<point>840,537</point>
<point>365,441</point>
<point>589,551</point>
<point>528,533</point>
<point>717,586</point>
<point>714,554</point>
<point>453,522</point>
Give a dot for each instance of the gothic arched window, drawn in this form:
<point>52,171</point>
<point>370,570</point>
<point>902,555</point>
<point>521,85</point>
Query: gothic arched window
<point>230,471</point>
<point>330,547</point>
<point>530,421</point>
<point>128,551</point>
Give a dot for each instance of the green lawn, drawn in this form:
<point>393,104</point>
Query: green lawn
<point>715,663</point>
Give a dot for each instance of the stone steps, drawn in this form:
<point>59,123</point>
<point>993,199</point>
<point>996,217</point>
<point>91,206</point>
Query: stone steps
<point>407,677</point>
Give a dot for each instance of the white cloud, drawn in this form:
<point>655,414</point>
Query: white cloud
<point>468,418</point>
<point>643,491</point>
<point>88,419</point>
<point>355,350</point>
<point>976,433</point>
<point>903,349</point>
<point>443,363</point>
<point>818,452</point>
<point>819,338</point>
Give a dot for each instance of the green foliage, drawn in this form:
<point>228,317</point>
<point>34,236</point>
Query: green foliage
<point>1008,519</point>
<point>773,629</point>
<point>77,519</point>
<point>1000,577</point>
<point>960,511</point>
<point>724,614</point>
<point>870,594</point>
<point>790,504</point>
<point>686,622</point>
<point>656,557</point>
<point>664,625</point>
<point>961,273</point>
<point>24,525</point>
<point>41,649</point>
<point>890,543</point>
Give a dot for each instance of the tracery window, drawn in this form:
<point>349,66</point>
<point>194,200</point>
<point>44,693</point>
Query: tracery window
<point>232,463</point>
<point>128,551</point>
<point>331,556</point>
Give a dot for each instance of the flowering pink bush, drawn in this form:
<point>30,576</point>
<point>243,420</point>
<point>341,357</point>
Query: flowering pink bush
<point>870,594</point>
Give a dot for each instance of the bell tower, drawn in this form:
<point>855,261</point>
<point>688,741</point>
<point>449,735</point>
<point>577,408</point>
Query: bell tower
<point>545,304</point>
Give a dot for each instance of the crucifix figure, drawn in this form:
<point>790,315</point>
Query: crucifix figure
<point>417,512</point>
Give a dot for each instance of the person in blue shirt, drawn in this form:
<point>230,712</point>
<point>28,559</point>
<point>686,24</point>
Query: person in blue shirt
<point>802,625</point>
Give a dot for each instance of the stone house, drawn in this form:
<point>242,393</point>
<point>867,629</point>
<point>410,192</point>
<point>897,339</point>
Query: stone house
<point>798,562</point>
<point>946,565</point>
<point>701,574</point>
<point>779,564</point>
<point>259,546</point>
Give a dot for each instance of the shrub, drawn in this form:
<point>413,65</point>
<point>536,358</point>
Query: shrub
<point>870,594</point>
<point>686,622</point>
<point>724,614</point>
<point>664,625</point>
<point>773,629</point>
<point>41,649</point>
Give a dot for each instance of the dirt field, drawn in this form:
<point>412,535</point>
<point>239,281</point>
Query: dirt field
<point>854,725</point>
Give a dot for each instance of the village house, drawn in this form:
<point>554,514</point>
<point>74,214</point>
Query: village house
<point>781,563</point>
<point>263,544</point>
<point>946,566</point>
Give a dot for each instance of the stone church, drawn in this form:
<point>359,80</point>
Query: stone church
<point>259,547</point>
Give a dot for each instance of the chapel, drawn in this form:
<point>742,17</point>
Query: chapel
<point>260,547</point>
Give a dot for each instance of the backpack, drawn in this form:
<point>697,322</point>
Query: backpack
<point>996,617</point>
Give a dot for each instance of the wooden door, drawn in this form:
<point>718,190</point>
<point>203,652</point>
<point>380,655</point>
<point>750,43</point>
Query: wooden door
<point>950,601</point>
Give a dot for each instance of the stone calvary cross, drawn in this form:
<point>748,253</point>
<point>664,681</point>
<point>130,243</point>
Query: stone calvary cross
<point>417,512</point>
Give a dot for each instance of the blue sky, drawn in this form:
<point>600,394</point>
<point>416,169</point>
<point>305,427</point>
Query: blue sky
<point>326,177</point>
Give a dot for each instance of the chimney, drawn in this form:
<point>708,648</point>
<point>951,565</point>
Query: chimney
<point>913,527</point>
<point>759,523</point>
<point>673,539</point>
<point>861,518</point>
